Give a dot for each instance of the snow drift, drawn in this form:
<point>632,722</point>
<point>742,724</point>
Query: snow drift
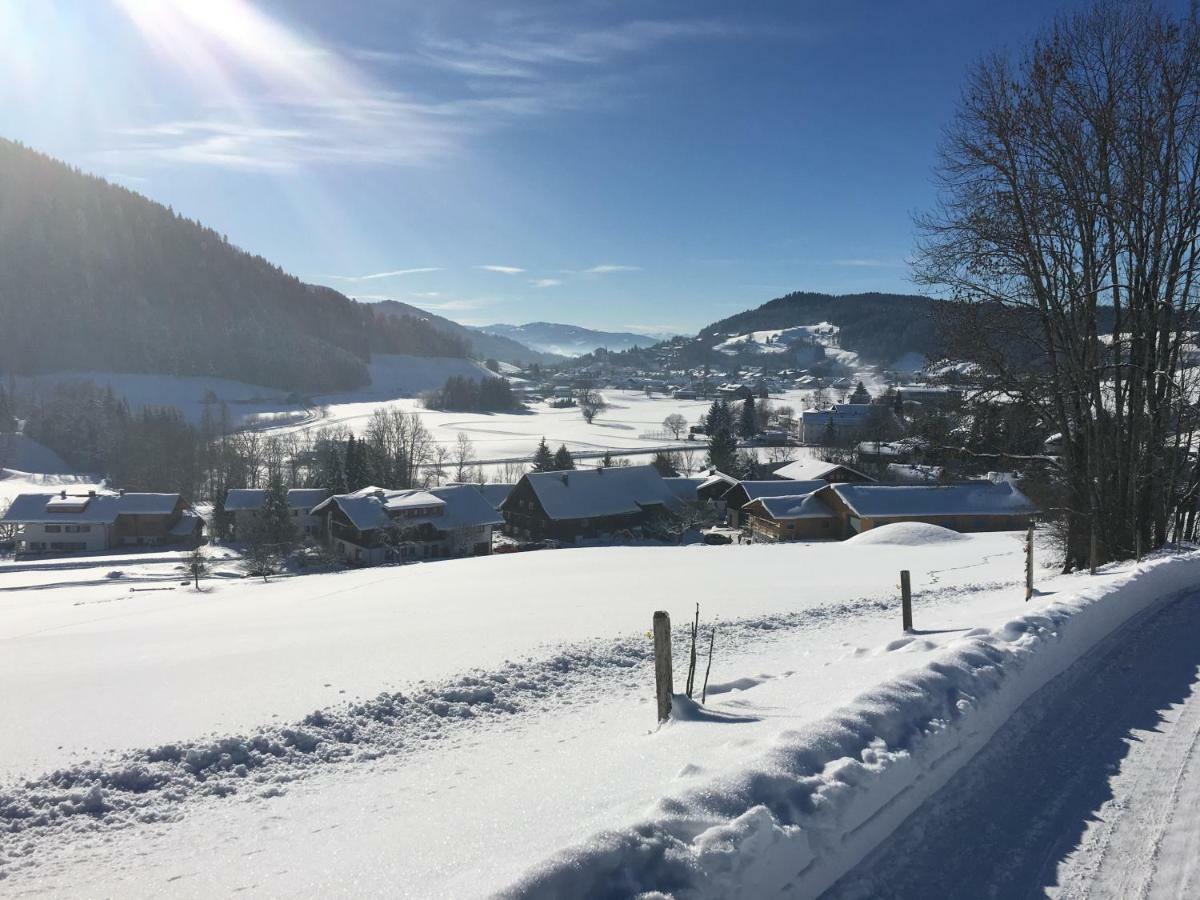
<point>907,534</point>
<point>803,814</point>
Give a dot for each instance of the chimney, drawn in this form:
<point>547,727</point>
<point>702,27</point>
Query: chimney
<point>564,477</point>
<point>121,492</point>
<point>91,493</point>
<point>63,493</point>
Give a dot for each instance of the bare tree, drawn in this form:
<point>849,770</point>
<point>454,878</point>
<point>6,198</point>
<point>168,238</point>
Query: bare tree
<point>1066,237</point>
<point>591,403</point>
<point>462,456</point>
<point>676,424</point>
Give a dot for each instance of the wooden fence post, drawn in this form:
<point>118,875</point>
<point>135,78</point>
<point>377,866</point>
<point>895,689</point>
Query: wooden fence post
<point>1093,551</point>
<point>1029,564</point>
<point>662,664</point>
<point>906,599</point>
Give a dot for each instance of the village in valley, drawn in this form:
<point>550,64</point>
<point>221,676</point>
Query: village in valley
<point>750,468</point>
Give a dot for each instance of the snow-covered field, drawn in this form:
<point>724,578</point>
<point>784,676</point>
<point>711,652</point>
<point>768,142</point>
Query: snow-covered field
<point>630,415</point>
<point>446,729</point>
<point>391,376</point>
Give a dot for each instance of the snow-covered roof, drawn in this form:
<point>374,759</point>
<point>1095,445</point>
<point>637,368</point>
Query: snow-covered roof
<point>245,499</point>
<point>757,489</point>
<point>460,506</point>
<point>980,498</point>
<point>804,506</point>
<point>495,494</point>
<point>717,478</point>
<point>306,498</point>
<point>684,487</point>
<point>590,493</point>
<point>98,509</point>
<point>187,524</point>
<point>465,507</point>
<point>812,470</point>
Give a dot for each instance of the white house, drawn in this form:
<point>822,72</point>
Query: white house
<point>245,504</point>
<point>76,523</point>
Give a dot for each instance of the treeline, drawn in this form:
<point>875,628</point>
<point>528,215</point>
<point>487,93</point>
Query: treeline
<point>94,276</point>
<point>471,395</point>
<point>157,449</point>
<point>152,449</point>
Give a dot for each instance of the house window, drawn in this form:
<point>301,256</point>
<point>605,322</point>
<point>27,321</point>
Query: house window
<point>53,529</point>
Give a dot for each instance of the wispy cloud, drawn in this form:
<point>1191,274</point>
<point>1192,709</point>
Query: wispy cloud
<point>503,270</point>
<point>609,268</point>
<point>272,98</point>
<point>394,273</point>
<point>545,282</point>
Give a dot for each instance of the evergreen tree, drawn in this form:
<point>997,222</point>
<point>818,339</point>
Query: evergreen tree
<point>664,464</point>
<point>276,518</point>
<point>335,472</point>
<point>220,522</point>
<point>860,394</point>
<point>356,465</point>
<point>722,442</point>
<point>543,459</point>
<point>748,425</point>
<point>563,459</point>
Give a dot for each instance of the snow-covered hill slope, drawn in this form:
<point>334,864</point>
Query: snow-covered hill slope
<point>392,376</point>
<point>483,714</point>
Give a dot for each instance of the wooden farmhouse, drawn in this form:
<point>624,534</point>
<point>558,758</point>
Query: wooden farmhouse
<point>968,506</point>
<point>373,525</point>
<point>586,502</point>
<point>840,511</point>
<point>745,492</point>
<point>806,517</point>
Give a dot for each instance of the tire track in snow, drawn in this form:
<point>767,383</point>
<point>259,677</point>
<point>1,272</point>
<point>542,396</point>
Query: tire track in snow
<point>1077,793</point>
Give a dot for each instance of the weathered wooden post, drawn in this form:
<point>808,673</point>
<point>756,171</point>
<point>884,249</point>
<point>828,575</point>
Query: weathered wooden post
<point>1093,551</point>
<point>1029,564</point>
<point>906,599</point>
<point>662,664</point>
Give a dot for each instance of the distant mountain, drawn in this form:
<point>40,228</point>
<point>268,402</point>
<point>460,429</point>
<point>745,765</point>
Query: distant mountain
<point>96,277</point>
<point>481,345</point>
<point>567,340</point>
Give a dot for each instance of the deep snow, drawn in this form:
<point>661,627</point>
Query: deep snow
<point>515,719</point>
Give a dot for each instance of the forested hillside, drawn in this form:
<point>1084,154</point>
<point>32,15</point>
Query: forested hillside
<point>97,277</point>
<point>879,327</point>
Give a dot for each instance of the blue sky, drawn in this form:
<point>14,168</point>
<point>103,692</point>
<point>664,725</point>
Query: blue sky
<point>644,166</point>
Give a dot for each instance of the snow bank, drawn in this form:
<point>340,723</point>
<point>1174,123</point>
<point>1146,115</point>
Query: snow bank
<point>907,534</point>
<point>804,813</point>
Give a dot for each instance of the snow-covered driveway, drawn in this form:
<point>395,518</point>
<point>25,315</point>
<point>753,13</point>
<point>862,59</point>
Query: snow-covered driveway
<point>1090,790</point>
